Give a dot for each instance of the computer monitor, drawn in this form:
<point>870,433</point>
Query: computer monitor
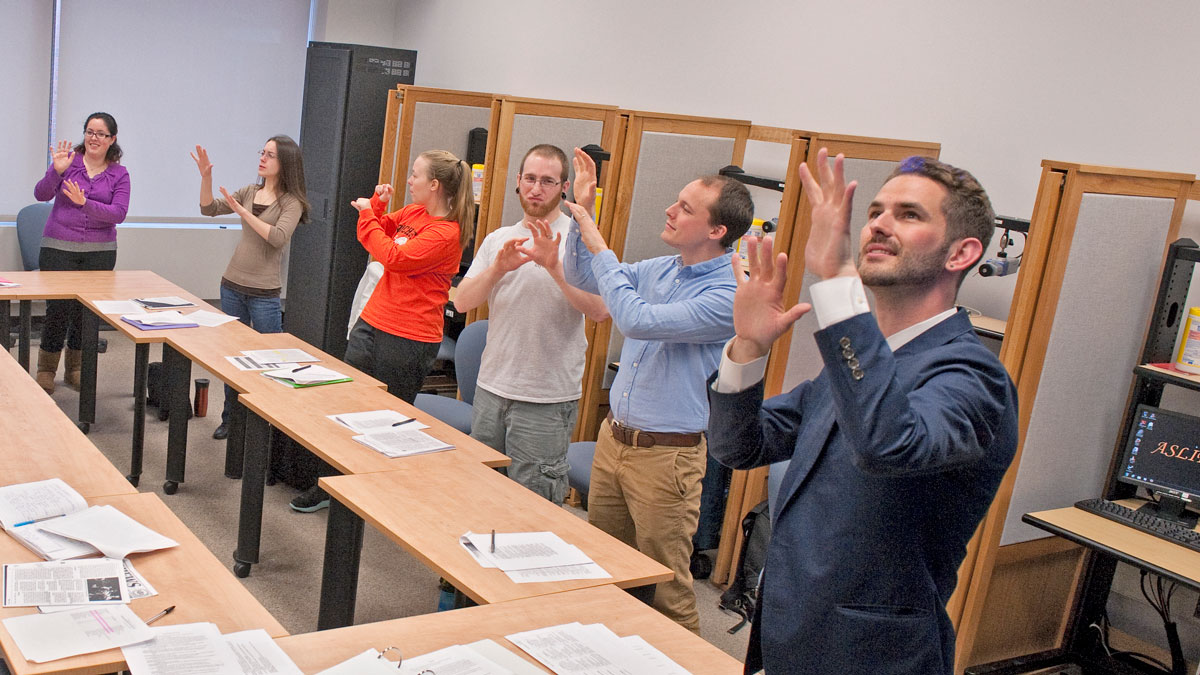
<point>1163,456</point>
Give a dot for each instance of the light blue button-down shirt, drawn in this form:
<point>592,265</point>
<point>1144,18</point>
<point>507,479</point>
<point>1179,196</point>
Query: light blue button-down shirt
<point>675,319</point>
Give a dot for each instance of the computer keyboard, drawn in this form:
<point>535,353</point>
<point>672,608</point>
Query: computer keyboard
<point>1145,522</point>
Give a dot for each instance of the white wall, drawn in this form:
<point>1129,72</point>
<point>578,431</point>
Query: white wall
<point>1001,85</point>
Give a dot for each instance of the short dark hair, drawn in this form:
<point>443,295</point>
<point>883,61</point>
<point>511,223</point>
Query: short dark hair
<point>114,154</point>
<point>966,208</point>
<point>549,152</point>
<point>733,207</point>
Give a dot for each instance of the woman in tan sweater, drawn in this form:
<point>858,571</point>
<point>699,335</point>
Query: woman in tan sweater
<point>270,210</point>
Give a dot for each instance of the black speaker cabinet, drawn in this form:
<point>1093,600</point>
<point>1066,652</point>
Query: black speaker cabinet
<point>341,135</point>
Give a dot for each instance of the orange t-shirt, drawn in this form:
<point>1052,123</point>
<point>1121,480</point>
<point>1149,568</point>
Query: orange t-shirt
<point>420,255</point>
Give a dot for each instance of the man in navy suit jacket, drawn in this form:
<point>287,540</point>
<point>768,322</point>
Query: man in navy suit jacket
<point>896,448</point>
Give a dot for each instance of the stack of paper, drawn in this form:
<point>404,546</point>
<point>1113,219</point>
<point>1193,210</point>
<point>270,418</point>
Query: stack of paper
<point>204,317</point>
<point>375,420</point>
<point>306,376</point>
<point>165,302</point>
<point>95,581</point>
<point>485,657</point>
<point>280,356</point>
<point>402,442</point>
<point>531,557</point>
<point>200,649</point>
<point>53,520</point>
<point>576,649</point>
<point>47,637</point>
<point>159,320</point>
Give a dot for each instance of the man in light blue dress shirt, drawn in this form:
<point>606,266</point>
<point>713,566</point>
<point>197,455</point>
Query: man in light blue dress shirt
<point>675,313</point>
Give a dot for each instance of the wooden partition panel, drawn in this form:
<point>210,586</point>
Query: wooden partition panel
<point>521,124</point>
<point>794,357</point>
<point>421,119</point>
<point>661,154</point>
<point>1076,326</point>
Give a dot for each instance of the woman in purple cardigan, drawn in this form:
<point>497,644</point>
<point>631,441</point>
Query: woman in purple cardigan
<point>90,190</point>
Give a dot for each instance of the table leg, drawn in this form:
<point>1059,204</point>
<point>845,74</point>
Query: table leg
<point>87,378</point>
<point>25,333</point>
<point>5,324</point>
<point>339,577</point>
<point>141,362</point>
<point>177,370</point>
<point>235,444</point>
<point>254,469</point>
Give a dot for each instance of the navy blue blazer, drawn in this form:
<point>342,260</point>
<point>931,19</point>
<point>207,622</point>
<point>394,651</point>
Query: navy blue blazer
<point>895,458</point>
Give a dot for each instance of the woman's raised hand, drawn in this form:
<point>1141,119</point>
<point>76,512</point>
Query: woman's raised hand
<point>61,155</point>
<point>384,191</point>
<point>200,156</point>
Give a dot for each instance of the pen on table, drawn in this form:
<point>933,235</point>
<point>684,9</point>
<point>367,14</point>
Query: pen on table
<point>160,615</point>
<point>296,370</point>
<point>493,541</point>
<point>411,419</point>
<point>37,520</point>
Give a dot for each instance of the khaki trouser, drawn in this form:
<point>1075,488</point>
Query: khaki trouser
<point>649,498</point>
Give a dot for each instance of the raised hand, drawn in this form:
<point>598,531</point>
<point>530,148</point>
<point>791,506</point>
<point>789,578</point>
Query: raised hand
<point>543,249</point>
<point>384,191</point>
<point>62,155</point>
<point>759,313</point>
<point>73,192</point>
<point>588,232</point>
<point>233,203</point>
<point>828,252</point>
<point>585,180</point>
<point>200,156</point>
<point>361,204</point>
<point>511,255</point>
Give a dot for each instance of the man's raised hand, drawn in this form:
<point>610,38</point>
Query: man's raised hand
<point>828,252</point>
<point>759,313</point>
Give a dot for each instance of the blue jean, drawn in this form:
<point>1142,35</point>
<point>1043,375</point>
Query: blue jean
<point>534,435</point>
<point>264,315</point>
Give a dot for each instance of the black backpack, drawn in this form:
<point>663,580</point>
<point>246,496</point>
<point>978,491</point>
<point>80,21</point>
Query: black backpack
<point>742,594</point>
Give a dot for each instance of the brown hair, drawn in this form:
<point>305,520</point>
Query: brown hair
<point>966,208</point>
<point>291,171</point>
<point>733,207</point>
<point>454,175</point>
<point>549,152</point>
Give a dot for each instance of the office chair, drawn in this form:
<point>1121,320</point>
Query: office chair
<point>579,473</point>
<point>31,222</point>
<point>467,353</point>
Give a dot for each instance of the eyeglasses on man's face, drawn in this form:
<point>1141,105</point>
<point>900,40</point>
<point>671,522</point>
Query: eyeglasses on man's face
<point>91,133</point>
<point>529,180</point>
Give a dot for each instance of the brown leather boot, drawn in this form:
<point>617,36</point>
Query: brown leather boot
<point>47,366</point>
<point>73,368</point>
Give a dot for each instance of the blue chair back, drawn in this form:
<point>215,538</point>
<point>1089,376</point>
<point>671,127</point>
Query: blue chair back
<point>467,355</point>
<point>774,481</point>
<point>31,222</point>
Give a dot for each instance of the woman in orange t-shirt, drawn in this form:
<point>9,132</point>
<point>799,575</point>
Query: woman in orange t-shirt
<point>397,336</point>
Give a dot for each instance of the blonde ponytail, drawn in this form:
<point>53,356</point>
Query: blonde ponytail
<point>455,178</point>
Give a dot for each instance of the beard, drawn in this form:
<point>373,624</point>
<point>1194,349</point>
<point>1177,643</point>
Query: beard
<point>909,269</point>
<point>539,210</point>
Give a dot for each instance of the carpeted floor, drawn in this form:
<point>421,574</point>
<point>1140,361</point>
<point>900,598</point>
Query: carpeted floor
<point>287,580</point>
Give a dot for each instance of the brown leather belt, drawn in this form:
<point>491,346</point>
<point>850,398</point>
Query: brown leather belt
<point>645,439</point>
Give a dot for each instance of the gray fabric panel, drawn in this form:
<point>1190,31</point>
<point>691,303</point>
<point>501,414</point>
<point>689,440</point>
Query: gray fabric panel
<point>530,130</point>
<point>666,163</point>
<point>1094,343</point>
<point>441,126</point>
<point>804,362</point>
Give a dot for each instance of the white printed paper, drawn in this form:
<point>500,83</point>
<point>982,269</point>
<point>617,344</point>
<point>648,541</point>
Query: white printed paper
<point>453,660</point>
<point>576,649</point>
<point>309,374</point>
<point>65,582</point>
<point>136,587</point>
<point>402,442</point>
<point>117,306</point>
<point>538,575</point>
<point>204,317</point>
<point>30,502</point>
<point>192,648</point>
<point>526,550</point>
<point>281,356</point>
<point>164,301</point>
<point>170,318</point>
<point>247,363</point>
<point>257,654</point>
<point>46,637</point>
<point>375,420</point>
<point>367,663</point>
<point>108,529</point>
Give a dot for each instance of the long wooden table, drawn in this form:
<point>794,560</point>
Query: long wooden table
<point>187,577</point>
<point>427,502</point>
<point>417,635</point>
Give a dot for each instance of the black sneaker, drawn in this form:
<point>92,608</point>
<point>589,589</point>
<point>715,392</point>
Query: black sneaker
<point>312,499</point>
<point>221,432</point>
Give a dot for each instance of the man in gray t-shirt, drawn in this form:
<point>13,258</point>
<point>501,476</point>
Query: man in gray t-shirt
<point>530,378</point>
